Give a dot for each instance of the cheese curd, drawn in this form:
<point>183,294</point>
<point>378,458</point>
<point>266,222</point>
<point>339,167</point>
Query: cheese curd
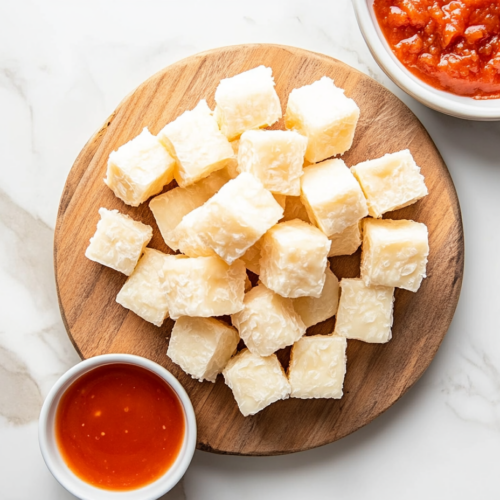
<point>139,169</point>
<point>256,381</point>
<point>119,241</point>
<point>247,101</point>
<point>275,157</point>
<point>317,367</point>
<point>391,182</point>
<point>267,322</point>
<point>231,221</point>
<point>323,114</point>
<point>195,140</point>
<point>332,196</point>
<point>394,253</point>
<point>202,346</point>
<point>144,291</point>
<point>204,287</point>
<point>365,312</point>
<point>293,259</point>
<point>170,208</point>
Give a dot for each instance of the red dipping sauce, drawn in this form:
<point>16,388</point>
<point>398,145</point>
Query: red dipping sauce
<point>451,45</point>
<point>119,427</point>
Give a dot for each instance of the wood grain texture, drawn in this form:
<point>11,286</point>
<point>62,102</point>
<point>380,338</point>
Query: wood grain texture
<point>377,375</point>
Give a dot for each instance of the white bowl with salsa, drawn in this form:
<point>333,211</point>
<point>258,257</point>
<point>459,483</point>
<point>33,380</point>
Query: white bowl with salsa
<point>425,56</point>
<point>117,426</point>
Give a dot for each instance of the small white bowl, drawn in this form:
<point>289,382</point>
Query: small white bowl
<point>85,491</point>
<point>445,102</point>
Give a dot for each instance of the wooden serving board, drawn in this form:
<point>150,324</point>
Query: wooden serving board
<point>377,375</point>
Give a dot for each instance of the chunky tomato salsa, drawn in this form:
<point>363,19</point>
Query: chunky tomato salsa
<point>453,46</point>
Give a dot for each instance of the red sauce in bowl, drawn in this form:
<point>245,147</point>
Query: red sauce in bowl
<point>451,45</point>
<point>119,427</point>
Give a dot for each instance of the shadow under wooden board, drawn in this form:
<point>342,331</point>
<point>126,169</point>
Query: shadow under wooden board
<point>377,375</point>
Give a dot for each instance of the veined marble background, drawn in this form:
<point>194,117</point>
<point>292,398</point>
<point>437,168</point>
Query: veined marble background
<point>64,66</point>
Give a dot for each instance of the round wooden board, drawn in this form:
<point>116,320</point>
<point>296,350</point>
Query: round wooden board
<point>377,375</point>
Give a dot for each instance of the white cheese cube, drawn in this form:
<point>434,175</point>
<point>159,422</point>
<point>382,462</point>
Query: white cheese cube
<point>365,313</point>
<point>267,322</point>
<point>202,346</point>
<point>332,196</point>
<point>195,140</point>
<point>204,287</point>
<point>313,310</point>
<point>251,258</point>
<point>391,182</point>
<point>169,208</point>
<point>394,253</point>
<point>143,292</point>
<point>275,157</point>
<point>256,382</point>
<point>346,242</point>
<point>139,169</point>
<point>119,241</point>
<point>293,259</point>
<point>317,367</point>
<point>295,209</point>
<point>323,114</point>
<point>247,101</point>
<point>231,221</point>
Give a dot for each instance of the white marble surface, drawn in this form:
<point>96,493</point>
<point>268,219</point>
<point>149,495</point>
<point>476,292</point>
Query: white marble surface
<point>64,66</point>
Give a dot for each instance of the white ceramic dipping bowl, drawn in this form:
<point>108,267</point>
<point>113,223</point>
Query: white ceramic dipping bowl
<point>450,104</point>
<point>85,491</point>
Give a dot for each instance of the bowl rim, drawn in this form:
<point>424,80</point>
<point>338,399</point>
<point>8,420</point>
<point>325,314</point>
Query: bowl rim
<point>86,491</point>
<point>439,100</point>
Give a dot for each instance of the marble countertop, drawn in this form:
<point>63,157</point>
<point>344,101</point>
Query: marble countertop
<point>64,66</point>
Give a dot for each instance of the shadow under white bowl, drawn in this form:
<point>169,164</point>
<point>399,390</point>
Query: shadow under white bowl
<point>85,491</point>
<point>445,102</point>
